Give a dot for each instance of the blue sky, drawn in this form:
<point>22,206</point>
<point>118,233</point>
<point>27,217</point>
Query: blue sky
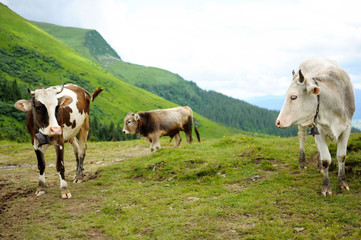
<point>243,49</point>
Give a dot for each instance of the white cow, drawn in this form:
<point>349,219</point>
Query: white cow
<point>321,95</point>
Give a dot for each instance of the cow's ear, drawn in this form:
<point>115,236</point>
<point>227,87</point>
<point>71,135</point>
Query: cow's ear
<point>313,89</point>
<point>301,78</point>
<point>65,100</point>
<point>136,117</point>
<point>23,105</point>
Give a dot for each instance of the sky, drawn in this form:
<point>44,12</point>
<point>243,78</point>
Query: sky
<point>243,49</point>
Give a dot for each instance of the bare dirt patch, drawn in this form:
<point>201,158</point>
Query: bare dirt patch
<point>18,182</point>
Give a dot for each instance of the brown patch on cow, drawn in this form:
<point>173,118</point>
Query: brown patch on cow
<point>66,116</point>
<point>40,113</point>
<point>30,126</point>
<point>82,96</point>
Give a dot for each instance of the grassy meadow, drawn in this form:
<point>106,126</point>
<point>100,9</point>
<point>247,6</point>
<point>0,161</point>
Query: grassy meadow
<point>241,187</point>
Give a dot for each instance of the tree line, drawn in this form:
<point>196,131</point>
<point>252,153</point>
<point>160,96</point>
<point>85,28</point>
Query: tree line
<point>220,108</point>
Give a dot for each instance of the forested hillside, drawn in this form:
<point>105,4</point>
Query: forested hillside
<point>216,106</point>
<point>30,57</point>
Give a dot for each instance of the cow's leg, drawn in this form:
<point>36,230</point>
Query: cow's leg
<point>83,135</point>
<point>41,166</point>
<point>341,156</point>
<point>325,157</point>
<point>188,130</point>
<point>177,140</point>
<point>302,138</point>
<point>75,145</point>
<point>319,162</point>
<point>59,148</point>
<point>155,143</point>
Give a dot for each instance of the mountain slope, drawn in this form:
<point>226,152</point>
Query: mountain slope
<point>32,57</point>
<point>213,105</point>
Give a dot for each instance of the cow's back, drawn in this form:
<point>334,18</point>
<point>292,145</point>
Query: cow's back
<point>337,91</point>
<point>316,66</point>
<point>76,113</point>
<point>166,121</point>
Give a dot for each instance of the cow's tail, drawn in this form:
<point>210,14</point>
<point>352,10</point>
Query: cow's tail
<point>195,128</point>
<point>96,92</point>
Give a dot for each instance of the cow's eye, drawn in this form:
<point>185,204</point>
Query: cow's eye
<point>129,122</point>
<point>293,97</point>
<point>40,108</point>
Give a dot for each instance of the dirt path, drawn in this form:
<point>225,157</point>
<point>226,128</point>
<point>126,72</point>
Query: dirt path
<point>19,179</point>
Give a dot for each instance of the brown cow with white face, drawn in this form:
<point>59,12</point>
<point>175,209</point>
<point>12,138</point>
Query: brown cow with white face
<point>56,115</point>
<point>321,96</point>
<point>162,122</point>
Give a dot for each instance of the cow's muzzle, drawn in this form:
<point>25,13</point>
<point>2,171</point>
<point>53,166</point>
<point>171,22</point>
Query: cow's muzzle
<point>278,123</point>
<point>55,131</point>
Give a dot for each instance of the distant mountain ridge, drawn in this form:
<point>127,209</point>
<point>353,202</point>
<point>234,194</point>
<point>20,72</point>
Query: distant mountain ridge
<point>216,106</point>
<point>33,58</point>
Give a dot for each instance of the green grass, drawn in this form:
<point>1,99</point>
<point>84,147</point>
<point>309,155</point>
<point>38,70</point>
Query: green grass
<point>33,57</point>
<point>245,186</point>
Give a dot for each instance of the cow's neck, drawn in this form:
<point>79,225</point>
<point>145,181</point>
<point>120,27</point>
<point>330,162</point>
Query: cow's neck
<point>140,124</point>
<point>314,131</point>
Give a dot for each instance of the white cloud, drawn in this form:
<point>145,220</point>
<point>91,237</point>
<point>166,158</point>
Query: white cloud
<point>240,48</point>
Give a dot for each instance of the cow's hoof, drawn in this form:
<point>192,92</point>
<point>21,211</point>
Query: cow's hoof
<point>78,180</point>
<point>326,192</point>
<point>38,193</point>
<point>65,194</point>
<point>302,166</point>
<point>344,185</point>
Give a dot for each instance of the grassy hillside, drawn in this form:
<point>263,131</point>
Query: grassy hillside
<point>85,41</point>
<point>213,105</point>
<point>239,187</point>
<point>33,58</point>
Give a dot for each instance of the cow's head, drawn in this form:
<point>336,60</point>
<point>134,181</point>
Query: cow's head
<point>131,123</point>
<point>300,105</point>
<point>46,108</point>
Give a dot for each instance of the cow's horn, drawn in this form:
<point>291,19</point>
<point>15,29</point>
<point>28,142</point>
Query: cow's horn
<point>31,92</point>
<point>301,77</point>
<point>61,89</point>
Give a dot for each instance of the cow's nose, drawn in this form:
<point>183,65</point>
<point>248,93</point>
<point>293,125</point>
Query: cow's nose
<point>278,123</point>
<point>55,131</point>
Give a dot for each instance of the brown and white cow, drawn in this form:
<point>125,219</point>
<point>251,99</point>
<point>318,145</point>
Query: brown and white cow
<point>56,115</point>
<point>161,122</point>
<point>321,95</point>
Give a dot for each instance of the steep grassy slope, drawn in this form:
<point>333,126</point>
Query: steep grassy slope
<point>85,41</point>
<point>213,105</point>
<point>33,58</point>
<point>239,187</point>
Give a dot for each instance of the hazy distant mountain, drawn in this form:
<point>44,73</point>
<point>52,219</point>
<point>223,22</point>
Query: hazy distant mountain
<point>268,102</point>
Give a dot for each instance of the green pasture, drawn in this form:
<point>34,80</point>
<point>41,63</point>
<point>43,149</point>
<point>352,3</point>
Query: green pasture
<point>241,187</point>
